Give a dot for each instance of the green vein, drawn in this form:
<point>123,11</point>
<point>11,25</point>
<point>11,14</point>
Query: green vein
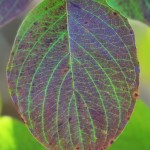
<point>90,117</point>
<point>114,58</point>
<point>57,107</point>
<point>38,40</point>
<point>111,83</point>
<point>103,106</point>
<point>108,53</point>
<point>73,85</point>
<point>77,114</point>
<point>72,74</point>
<point>28,98</point>
<point>69,122</point>
<point>45,94</point>
<point>116,34</point>
<point>116,64</point>
<point>29,26</point>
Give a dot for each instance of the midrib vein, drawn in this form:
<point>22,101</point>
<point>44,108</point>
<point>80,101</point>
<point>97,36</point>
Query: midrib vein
<point>72,76</point>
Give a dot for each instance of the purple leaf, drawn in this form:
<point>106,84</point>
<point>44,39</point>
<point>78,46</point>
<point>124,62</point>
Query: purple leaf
<point>73,74</point>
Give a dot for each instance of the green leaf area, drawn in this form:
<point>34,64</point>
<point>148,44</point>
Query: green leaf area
<point>15,136</point>
<point>134,9</point>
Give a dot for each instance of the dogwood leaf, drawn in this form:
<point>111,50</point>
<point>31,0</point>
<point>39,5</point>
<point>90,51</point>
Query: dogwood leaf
<point>73,73</point>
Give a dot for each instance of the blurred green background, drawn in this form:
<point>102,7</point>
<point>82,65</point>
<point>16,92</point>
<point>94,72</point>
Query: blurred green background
<point>15,136</point>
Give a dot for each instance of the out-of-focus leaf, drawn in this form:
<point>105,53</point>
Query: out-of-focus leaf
<point>10,9</point>
<point>0,104</point>
<point>136,136</point>
<point>142,34</point>
<point>134,9</point>
<point>73,73</point>
<point>15,136</point>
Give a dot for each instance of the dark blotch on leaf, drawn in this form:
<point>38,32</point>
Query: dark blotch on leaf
<point>75,5</point>
<point>128,118</point>
<point>131,32</point>
<point>111,142</point>
<point>35,23</point>
<point>61,8</point>
<point>70,119</point>
<point>77,148</point>
<point>63,27</point>
<point>115,13</point>
<point>48,41</point>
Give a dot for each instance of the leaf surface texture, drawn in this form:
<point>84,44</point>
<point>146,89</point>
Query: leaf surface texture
<point>133,9</point>
<point>73,73</point>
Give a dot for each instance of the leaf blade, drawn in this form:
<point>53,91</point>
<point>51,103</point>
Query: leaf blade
<point>67,104</point>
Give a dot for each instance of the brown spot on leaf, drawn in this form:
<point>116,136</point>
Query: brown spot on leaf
<point>77,148</point>
<point>112,141</point>
<point>63,27</point>
<point>61,8</point>
<point>35,23</point>
<point>128,118</point>
<point>23,119</point>
<point>64,70</point>
<point>114,13</point>
<point>135,94</point>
